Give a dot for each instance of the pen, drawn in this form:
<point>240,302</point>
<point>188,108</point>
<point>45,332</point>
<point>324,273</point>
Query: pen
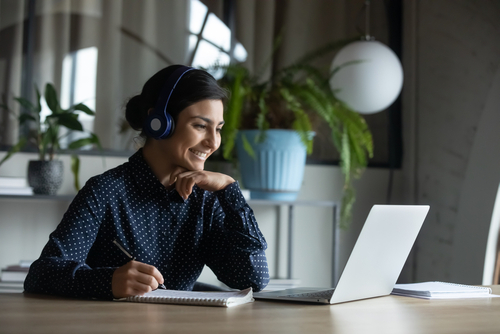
<point>160,286</point>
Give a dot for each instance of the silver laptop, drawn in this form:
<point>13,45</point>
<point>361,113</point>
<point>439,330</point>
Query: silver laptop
<point>376,259</point>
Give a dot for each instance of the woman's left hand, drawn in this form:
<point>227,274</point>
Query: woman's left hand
<point>211,181</point>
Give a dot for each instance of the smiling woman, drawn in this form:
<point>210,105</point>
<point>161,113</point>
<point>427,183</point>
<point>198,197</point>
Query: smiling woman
<point>162,206</point>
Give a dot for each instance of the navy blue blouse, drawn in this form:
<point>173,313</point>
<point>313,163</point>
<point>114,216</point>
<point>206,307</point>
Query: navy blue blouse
<point>158,227</point>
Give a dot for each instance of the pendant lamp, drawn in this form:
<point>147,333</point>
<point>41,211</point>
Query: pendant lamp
<point>369,75</point>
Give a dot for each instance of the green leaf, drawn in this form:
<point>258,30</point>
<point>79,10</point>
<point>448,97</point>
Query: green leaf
<point>16,148</point>
<point>247,146</point>
<point>25,103</point>
<point>348,199</point>
<point>51,99</point>
<point>83,142</point>
<point>75,169</point>
<point>84,108</point>
<point>67,120</point>
<point>38,100</point>
<point>23,118</point>
<point>345,158</point>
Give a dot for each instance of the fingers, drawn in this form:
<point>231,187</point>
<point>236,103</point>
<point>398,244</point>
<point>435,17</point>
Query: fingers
<point>211,181</point>
<point>135,278</point>
<point>178,170</point>
<point>150,275</point>
<point>185,183</point>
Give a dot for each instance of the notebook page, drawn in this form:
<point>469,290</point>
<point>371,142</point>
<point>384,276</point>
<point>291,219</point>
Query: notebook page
<point>226,299</point>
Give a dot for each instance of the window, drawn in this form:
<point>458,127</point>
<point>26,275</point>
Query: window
<point>210,39</point>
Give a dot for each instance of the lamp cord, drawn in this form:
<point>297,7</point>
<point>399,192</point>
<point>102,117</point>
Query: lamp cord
<point>367,20</point>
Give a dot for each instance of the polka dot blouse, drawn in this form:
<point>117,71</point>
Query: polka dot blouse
<point>158,227</point>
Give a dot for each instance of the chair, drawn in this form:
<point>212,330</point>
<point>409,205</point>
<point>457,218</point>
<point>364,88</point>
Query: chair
<point>491,272</point>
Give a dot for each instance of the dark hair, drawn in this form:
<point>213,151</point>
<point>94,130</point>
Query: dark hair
<point>195,86</point>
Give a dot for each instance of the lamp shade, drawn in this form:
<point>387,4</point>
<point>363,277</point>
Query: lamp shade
<point>370,76</point>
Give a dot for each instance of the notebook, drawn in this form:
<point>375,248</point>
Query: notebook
<point>224,299</point>
<point>441,290</point>
<point>375,262</point>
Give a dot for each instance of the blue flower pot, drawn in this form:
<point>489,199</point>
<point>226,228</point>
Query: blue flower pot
<point>277,170</point>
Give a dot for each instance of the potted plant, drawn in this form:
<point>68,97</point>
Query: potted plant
<point>45,174</point>
<point>293,101</point>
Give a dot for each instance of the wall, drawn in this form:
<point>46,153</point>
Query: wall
<point>458,113</point>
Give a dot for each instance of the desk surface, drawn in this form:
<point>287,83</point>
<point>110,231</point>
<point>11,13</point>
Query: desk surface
<point>20,313</point>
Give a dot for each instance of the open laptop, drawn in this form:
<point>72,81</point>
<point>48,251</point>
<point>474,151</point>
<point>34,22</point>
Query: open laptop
<point>376,259</point>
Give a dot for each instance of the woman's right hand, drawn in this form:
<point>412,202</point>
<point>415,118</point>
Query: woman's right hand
<point>135,278</point>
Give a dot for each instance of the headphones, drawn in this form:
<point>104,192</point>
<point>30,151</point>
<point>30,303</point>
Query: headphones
<point>160,124</point>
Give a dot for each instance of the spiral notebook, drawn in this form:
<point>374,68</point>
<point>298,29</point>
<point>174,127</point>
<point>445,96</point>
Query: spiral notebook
<point>223,299</point>
<point>441,290</point>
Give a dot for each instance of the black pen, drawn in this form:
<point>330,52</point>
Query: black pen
<point>132,258</point>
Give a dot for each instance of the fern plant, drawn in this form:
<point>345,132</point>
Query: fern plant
<point>297,97</point>
<point>45,134</point>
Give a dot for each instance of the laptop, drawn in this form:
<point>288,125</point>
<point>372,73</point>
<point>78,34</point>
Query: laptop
<point>375,261</point>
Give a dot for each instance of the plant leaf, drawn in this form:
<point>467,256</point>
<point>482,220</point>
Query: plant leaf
<point>84,108</point>
<point>23,118</point>
<point>68,120</point>
<point>26,104</point>
<point>75,169</point>
<point>51,99</point>
<point>83,142</point>
<point>247,146</point>
<point>16,148</point>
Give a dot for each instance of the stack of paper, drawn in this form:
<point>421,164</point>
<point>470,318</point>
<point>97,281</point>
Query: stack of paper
<point>15,273</point>
<point>14,186</point>
<point>440,290</point>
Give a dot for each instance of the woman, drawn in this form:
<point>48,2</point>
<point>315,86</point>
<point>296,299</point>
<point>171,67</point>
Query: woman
<point>161,206</point>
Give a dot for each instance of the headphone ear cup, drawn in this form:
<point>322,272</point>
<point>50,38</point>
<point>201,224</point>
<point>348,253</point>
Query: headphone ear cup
<point>170,126</point>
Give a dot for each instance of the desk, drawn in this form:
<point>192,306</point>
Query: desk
<point>21,313</point>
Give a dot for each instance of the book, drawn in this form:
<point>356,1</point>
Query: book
<point>12,182</point>
<point>224,299</point>
<point>16,191</point>
<point>11,287</point>
<point>441,290</point>
<point>14,273</point>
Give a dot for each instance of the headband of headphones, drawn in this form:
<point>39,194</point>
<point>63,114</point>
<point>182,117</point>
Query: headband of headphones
<point>160,124</point>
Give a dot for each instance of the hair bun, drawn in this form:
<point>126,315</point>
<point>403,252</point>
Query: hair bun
<point>136,112</point>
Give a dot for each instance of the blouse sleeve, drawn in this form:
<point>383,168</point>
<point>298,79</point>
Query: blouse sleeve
<point>61,268</point>
<point>235,251</point>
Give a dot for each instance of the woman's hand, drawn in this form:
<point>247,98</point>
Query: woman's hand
<point>211,181</point>
<point>135,278</point>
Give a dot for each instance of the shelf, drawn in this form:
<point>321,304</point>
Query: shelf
<point>39,197</point>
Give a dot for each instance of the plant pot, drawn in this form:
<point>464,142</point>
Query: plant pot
<point>45,177</point>
<point>277,170</point>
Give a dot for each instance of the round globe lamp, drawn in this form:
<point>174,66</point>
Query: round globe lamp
<point>369,76</point>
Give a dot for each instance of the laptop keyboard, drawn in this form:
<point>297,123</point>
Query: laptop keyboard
<point>325,294</point>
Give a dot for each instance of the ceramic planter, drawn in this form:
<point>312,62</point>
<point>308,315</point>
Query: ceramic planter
<point>277,170</point>
<point>45,177</point>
